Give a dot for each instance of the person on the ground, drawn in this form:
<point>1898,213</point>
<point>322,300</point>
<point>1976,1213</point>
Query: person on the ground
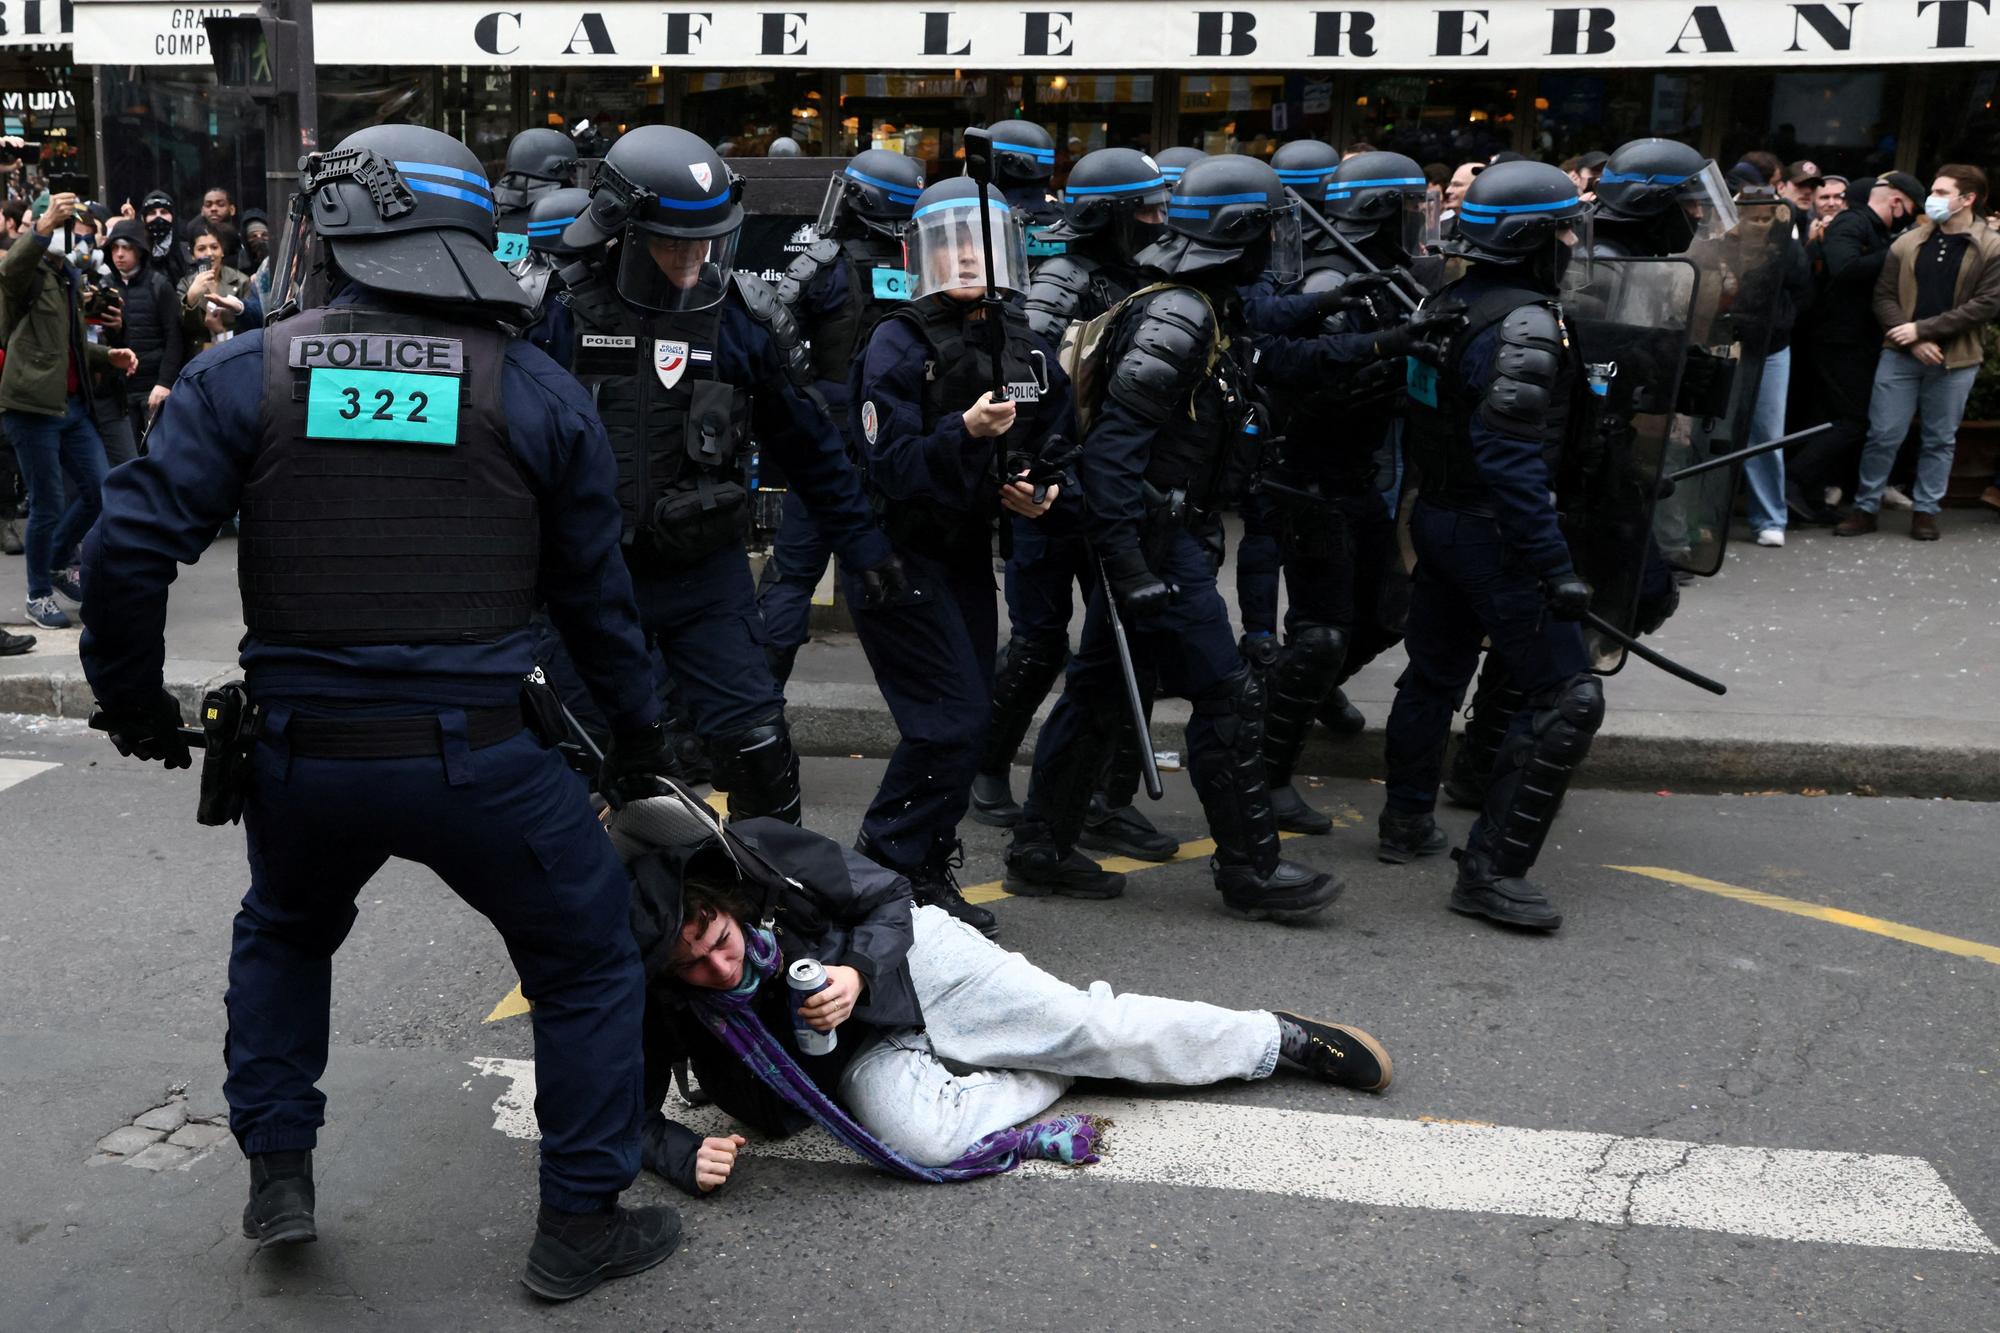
<point>1487,428</point>
<point>1114,206</point>
<point>687,358</point>
<point>946,1047</point>
<point>844,284</point>
<point>215,296</point>
<point>397,531</point>
<point>50,408</point>
<point>1173,442</point>
<point>1937,292</point>
<point>149,324</point>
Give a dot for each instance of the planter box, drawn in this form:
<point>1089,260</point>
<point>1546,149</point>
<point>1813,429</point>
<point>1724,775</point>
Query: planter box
<point>1975,462</point>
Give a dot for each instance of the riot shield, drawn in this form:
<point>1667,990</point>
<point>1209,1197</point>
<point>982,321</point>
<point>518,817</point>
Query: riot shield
<point>1729,337</point>
<point>1630,319</point>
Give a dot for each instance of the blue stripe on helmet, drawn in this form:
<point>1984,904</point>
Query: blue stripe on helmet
<point>472,178</point>
<point>898,193</point>
<point>1225,199</point>
<point>1073,191</point>
<point>1187,212</point>
<point>1641,178</point>
<point>1047,155</point>
<point>688,204</point>
<point>452,192</point>
<point>549,228</point>
<point>1306,175</point>
<point>1385,180</point>
<point>1498,209</point>
<point>1000,204</point>
<point>1172,173</point>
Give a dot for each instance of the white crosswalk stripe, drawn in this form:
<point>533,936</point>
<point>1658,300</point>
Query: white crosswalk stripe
<point>1836,1198</point>
<point>13,772</point>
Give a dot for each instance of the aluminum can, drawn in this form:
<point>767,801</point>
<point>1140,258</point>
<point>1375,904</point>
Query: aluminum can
<point>807,979</point>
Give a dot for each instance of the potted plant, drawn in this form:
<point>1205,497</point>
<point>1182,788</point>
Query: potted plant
<point>1977,459</point>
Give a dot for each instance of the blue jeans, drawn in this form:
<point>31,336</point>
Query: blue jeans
<point>1765,473</point>
<point>1905,386</point>
<point>46,447</point>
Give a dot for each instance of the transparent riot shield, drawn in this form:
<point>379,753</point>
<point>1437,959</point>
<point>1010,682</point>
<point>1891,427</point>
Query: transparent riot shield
<point>1631,321</point>
<point>1741,273</point>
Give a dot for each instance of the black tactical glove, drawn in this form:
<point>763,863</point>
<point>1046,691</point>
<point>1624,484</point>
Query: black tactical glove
<point>1567,595</point>
<point>1140,592</point>
<point>885,585</point>
<point>637,757</point>
<point>150,731</point>
<point>1354,293</point>
<point>1419,334</point>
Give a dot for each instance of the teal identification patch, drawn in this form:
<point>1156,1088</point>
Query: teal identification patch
<point>891,284</point>
<point>1422,379</point>
<point>513,247</point>
<point>382,407</point>
<point>1039,248</point>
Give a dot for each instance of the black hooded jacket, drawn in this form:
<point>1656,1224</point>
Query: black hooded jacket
<point>152,327</point>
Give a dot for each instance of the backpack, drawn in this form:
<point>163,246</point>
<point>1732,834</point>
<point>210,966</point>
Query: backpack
<point>1083,346</point>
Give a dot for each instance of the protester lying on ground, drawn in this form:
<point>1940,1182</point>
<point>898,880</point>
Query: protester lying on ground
<point>939,1044</point>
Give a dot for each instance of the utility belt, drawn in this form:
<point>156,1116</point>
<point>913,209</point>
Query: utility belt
<point>414,737</point>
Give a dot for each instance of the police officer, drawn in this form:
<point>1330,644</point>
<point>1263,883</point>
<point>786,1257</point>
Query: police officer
<point>539,162</point>
<point>1330,352</point>
<point>946,455</point>
<point>540,271</point>
<point>409,481</point>
<point>1114,205</point>
<point>1174,439</point>
<point>1488,429</point>
<point>837,291</point>
<point>686,357</point>
<point>1174,161</point>
<point>1024,162</point>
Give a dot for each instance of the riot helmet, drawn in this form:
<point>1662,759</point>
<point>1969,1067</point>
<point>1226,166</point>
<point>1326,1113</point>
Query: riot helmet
<point>549,218</point>
<point>538,161</point>
<point>1229,211</point>
<point>1380,194</point>
<point>877,189</point>
<point>1305,166</point>
<point>1669,184</point>
<point>943,248</point>
<point>1523,214</point>
<point>407,210</point>
<point>1115,193</point>
<point>676,211</point>
<point>1023,154</point>
<point>1174,161</point>
<point>784,146</point>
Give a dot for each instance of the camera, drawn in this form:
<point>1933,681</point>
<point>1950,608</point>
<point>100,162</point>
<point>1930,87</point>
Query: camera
<point>102,301</point>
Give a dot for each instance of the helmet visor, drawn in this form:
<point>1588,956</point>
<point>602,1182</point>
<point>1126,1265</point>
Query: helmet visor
<point>1706,200</point>
<point>1288,255</point>
<point>1416,223</point>
<point>945,250</point>
<point>672,274</point>
<point>833,207</point>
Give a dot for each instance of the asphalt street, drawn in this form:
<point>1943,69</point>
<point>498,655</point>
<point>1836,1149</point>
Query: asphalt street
<point>1752,1087</point>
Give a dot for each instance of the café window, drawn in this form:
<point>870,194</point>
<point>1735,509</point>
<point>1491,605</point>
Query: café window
<point>1578,113</point>
<point>1253,113</point>
<point>479,110</point>
<point>166,128</point>
<point>1842,120</point>
<point>914,115</point>
<point>1449,120</point>
<point>353,97</point>
<point>1086,112</point>
<point>741,111</point>
<point>1961,118</point>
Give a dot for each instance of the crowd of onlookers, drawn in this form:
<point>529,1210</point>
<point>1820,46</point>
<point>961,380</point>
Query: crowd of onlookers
<point>99,310</point>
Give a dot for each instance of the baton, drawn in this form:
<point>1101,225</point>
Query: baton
<point>1660,660</point>
<point>979,166</point>
<point>1149,766</point>
<point>1368,265</point>
<point>1768,446</point>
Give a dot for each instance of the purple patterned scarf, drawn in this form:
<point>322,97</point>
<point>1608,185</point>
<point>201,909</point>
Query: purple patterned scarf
<point>731,1016</point>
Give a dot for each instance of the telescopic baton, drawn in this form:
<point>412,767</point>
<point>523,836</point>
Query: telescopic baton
<point>979,166</point>
<point>1768,446</point>
<point>1149,764</point>
<point>1658,659</point>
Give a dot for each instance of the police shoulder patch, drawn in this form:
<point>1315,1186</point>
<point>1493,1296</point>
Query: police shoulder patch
<point>871,424</point>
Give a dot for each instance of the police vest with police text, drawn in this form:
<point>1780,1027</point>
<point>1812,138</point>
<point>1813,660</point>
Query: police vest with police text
<point>384,504</point>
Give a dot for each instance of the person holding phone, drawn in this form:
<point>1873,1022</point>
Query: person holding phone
<point>214,295</point>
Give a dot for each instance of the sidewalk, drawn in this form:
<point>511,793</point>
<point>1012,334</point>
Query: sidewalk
<point>1852,664</point>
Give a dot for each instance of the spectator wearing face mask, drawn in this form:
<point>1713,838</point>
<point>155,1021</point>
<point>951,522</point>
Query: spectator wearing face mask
<point>256,253</point>
<point>150,324</point>
<point>1846,340</point>
<point>169,256</point>
<point>1937,290</point>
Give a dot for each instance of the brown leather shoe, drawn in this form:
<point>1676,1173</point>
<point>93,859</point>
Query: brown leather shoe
<point>1857,522</point>
<point>1924,527</point>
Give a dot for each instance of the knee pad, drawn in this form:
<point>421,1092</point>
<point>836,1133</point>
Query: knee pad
<point>1579,703</point>
<point>1235,704</point>
<point>1313,658</point>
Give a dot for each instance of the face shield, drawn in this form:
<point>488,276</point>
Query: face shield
<point>1416,224</point>
<point>1288,256</point>
<point>1705,199</point>
<point>944,251</point>
<point>833,207</point>
<point>674,274</point>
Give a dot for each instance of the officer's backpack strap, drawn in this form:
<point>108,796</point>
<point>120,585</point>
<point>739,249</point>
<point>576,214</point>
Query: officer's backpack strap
<point>593,296</point>
<point>1522,398</point>
<point>761,300</point>
<point>805,270</point>
<point>1174,342</point>
<point>1057,293</point>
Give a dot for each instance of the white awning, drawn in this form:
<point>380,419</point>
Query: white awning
<point>1081,35</point>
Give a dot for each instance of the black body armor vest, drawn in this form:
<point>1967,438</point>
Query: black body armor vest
<point>679,433</point>
<point>384,504</point>
<point>877,286</point>
<point>1208,447</point>
<point>1338,432</point>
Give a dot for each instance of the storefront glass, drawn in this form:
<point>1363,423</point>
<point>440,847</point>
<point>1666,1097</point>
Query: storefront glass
<point>1579,113</point>
<point>918,117</point>
<point>1844,120</point>
<point>1085,112</point>
<point>353,97</point>
<point>168,129</point>
<point>1961,120</point>
<point>479,111</point>
<point>1253,113</point>
<point>612,100</point>
<point>741,111</point>
<point>1464,118</point>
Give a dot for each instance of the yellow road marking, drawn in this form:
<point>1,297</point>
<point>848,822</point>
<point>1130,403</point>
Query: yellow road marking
<point>990,892</point>
<point>1894,930</point>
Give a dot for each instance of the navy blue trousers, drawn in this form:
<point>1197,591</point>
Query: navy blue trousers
<point>932,654</point>
<point>705,622</point>
<point>1041,577</point>
<point>1468,587</point>
<point>798,559</point>
<point>510,830</point>
<point>1258,562</point>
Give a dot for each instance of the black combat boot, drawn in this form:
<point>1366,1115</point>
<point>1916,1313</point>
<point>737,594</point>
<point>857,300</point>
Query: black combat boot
<point>1513,900</point>
<point>574,1252</point>
<point>1037,868</point>
<point>280,1211</point>
<point>1401,839</point>
<point>935,884</point>
<point>1125,831</point>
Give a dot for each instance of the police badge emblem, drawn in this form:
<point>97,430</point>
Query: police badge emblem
<point>870,424</point>
<point>670,361</point>
<point>702,175</point>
